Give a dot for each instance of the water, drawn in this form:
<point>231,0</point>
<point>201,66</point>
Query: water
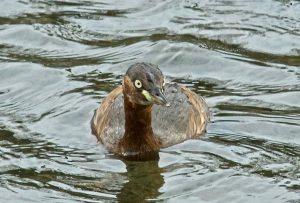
<point>59,59</point>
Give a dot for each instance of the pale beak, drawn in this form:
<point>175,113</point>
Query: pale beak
<point>158,96</point>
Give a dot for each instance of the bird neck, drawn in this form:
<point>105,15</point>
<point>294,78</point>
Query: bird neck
<point>138,137</point>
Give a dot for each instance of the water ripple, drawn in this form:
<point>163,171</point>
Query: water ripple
<point>60,58</point>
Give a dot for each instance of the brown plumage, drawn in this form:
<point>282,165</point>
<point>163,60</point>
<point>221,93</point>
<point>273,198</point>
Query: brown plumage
<point>128,123</point>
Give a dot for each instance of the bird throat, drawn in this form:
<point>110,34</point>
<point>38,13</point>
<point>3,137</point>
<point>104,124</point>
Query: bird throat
<point>138,138</point>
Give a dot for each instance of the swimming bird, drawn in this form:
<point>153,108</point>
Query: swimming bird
<point>146,113</point>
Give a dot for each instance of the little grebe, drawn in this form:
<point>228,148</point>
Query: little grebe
<point>128,123</point>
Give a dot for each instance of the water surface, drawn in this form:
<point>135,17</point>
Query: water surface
<point>59,59</point>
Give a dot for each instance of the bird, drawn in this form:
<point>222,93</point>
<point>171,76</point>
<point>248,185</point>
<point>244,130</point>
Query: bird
<point>146,113</point>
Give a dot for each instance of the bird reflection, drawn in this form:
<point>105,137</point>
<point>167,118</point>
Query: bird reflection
<point>144,181</point>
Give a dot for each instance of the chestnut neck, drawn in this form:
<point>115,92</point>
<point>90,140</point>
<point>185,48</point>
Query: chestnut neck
<point>138,138</point>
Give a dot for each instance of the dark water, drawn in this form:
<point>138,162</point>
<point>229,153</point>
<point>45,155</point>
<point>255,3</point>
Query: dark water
<point>58,59</point>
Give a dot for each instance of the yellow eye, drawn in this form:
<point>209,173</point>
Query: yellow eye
<point>138,84</point>
<point>164,82</point>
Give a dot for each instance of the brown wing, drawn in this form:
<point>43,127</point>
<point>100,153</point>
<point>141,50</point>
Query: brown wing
<point>198,113</point>
<point>108,121</point>
<point>186,117</point>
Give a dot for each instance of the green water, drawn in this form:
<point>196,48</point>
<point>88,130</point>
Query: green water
<point>59,59</point>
